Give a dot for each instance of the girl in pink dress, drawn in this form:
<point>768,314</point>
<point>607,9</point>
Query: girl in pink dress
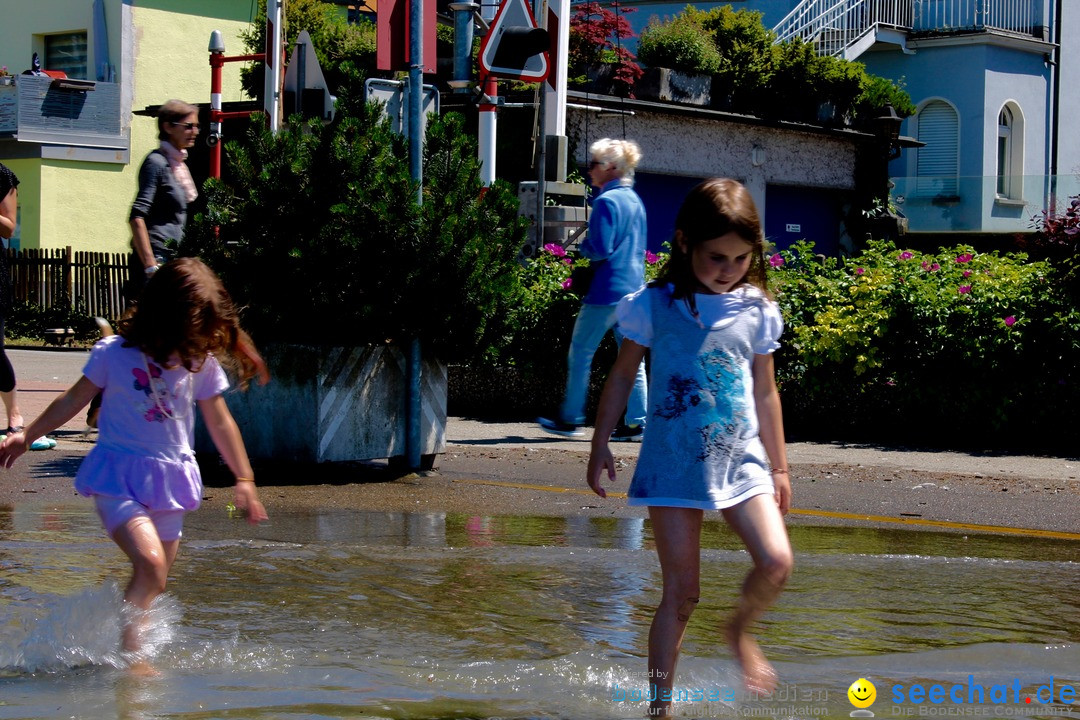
<point>166,358</point>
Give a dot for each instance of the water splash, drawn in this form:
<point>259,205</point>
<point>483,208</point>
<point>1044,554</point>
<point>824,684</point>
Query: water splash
<point>83,630</point>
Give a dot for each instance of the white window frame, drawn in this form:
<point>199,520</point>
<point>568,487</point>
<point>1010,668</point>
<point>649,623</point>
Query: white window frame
<point>1009,165</point>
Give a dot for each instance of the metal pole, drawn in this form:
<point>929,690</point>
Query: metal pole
<point>272,77</point>
<point>463,42</point>
<point>487,121</point>
<point>301,77</point>
<point>416,168</point>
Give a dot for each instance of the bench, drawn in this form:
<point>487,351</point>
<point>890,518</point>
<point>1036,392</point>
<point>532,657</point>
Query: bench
<point>59,336</point>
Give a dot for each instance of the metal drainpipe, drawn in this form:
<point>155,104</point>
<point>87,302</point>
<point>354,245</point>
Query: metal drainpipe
<point>1056,99</point>
<point>416,167</point>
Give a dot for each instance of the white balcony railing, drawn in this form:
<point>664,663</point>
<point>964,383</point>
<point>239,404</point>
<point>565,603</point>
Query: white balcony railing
<point>836,25</point>
<point>44,110</point>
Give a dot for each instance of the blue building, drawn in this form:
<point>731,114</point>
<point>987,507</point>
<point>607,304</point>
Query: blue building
<point>990,80</point>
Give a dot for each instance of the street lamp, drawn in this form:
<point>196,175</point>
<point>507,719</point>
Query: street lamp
<point>888,129</point>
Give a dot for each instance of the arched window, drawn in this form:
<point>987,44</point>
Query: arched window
<point>938,162</point>
<point>1010,152</point>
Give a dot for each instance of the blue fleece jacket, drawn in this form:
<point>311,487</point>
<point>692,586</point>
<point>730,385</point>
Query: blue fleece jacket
<point>617,240</point>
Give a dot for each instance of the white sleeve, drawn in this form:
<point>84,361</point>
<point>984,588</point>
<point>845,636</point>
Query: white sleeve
<point>210,380</point>
<point>772,325</point>
<point>96,368</point>
<point>634,317</point>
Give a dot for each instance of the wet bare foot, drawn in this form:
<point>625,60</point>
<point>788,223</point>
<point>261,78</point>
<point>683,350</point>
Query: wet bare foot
<point>143,668</point>
<point>758,673</point>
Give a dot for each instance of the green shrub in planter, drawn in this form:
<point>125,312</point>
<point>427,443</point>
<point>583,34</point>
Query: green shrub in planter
<point>680,44</point>
<point>954,348</point>
<point>745,48</point>
<point>320,239</point>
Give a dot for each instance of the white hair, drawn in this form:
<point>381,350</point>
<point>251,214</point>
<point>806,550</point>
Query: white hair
<point>623,154</point>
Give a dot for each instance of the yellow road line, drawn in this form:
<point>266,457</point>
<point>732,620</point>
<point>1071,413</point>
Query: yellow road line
<point>917,522</point>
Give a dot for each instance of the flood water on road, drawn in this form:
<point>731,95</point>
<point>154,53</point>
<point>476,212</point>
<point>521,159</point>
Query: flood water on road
<point>429,615</point>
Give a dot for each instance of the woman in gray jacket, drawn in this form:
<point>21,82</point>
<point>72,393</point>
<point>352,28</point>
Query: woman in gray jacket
<point>159,212</point>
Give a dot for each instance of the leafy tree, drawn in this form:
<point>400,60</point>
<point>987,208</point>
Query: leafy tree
<point>346,52</point>
<point>745,48</point>
<point>596,36</point>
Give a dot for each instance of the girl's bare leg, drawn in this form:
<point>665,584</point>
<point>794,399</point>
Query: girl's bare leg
<point>677,532</point>
<point>761,526</point>
<point>151,560</point>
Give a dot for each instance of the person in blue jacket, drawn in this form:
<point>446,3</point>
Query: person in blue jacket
<point>615,245</point>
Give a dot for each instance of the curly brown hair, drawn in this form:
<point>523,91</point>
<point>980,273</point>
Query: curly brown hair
<point>715,207</point>
<point>184,314</point>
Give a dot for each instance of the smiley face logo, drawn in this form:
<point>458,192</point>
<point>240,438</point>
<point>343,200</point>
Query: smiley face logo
<point>862,693</point>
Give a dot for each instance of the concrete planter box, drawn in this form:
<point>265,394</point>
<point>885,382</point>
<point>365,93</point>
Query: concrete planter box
<point>669,85</point>
<point>336,405</point>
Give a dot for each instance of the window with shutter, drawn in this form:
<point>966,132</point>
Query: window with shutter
<point>66,52</point>
<point>938,163</point>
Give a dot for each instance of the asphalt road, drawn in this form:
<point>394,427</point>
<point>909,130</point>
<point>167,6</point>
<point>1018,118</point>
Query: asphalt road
<point>516,469</point>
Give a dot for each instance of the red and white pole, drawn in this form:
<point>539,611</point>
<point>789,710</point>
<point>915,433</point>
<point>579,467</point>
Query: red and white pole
<point>217,61</point>
<point>487,123</point>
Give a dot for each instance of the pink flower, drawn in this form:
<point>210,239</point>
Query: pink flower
<point>1010,321</point>
<point>964,258</point>
<point>925,265</point>
<point>651,258</point>
<point>556,250</point>
<point>966,273</point>
<point>964,289</point>
<point>568,261</point>
<point>907,256</point>
<point>934,267</point>
<point>567,283</point>
<point>776,260</point>
<point>859,271</point>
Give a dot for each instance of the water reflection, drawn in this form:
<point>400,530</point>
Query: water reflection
<point>462,615</point>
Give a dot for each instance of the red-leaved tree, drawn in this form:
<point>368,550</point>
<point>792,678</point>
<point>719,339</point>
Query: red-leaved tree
<point>596,35</point>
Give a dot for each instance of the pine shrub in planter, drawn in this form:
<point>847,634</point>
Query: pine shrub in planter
<point>680,44</point>
<point>682,60</point>
<point>319,237</point>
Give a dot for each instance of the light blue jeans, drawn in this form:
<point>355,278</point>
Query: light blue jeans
<point>593,322</point>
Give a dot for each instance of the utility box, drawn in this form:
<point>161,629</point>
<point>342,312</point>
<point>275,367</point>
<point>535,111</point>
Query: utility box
<point>565,215</point>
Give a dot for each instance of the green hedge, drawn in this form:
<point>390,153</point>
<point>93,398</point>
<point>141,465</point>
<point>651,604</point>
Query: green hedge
<point>954,348</point>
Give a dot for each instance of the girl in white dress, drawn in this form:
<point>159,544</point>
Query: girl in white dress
<point>715,438</point>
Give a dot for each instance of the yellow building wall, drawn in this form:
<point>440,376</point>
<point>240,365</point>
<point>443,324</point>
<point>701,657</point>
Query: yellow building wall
<point>86,204</point>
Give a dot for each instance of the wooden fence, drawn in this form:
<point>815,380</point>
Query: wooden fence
<point>90,281</point>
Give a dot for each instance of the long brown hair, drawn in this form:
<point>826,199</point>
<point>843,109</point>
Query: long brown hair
<point>715,207</point>
<point>185,314</point>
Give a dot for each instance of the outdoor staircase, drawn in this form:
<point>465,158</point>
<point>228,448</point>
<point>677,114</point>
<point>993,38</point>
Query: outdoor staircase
<point>848,28</point>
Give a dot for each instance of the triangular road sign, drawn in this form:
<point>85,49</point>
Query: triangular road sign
<point>514,47</point>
